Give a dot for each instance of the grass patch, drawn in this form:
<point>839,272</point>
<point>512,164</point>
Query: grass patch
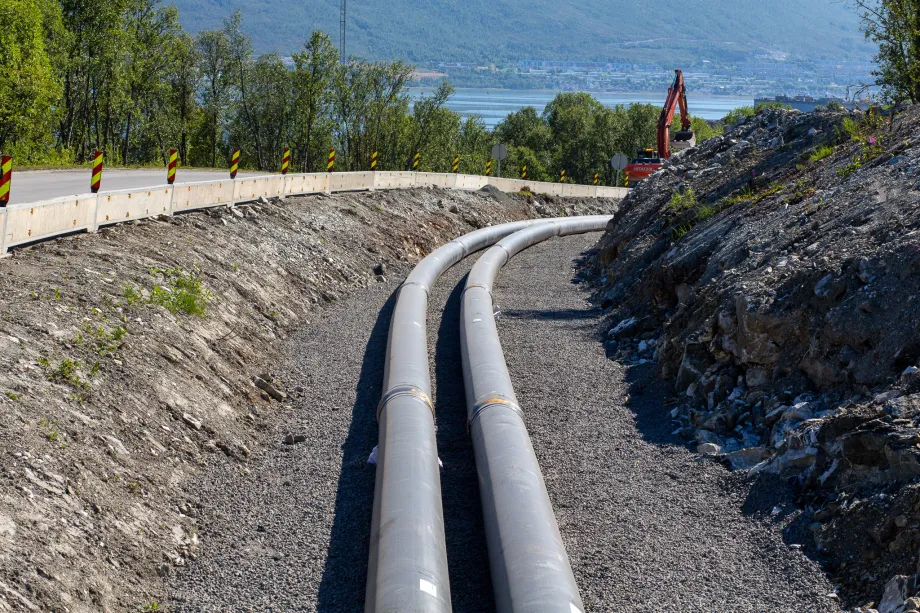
<point>13,396</point>
<point>821,152</point>
<point>688,212</point>
<point>681,202</point>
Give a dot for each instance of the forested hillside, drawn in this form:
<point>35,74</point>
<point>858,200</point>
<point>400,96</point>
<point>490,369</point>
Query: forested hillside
<point>487,30</point>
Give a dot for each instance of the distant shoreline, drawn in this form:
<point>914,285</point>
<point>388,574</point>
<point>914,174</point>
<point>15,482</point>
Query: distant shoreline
<point>644,94</point>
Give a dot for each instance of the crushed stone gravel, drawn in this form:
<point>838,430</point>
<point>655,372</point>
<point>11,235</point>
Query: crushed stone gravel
<point>648,526</point>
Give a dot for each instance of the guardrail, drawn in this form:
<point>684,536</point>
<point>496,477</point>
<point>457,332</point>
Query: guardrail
<point>28,223</point>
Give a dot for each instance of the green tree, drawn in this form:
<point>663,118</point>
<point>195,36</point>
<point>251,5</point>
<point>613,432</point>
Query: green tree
<point>314,70</point>
<point>894,25</point>
<point>241,67</point>
<point>268,106</point>
<point>571,118</point>
<point>213,49</point>
<point>184,79</point>
<point>426,112</point>
<point>29,88</point>
<point>149,121</point>
<point>524,128</point>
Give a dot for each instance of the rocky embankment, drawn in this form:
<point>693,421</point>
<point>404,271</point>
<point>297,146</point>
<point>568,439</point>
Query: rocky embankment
<point>132,359</point>
<point>773,273</point>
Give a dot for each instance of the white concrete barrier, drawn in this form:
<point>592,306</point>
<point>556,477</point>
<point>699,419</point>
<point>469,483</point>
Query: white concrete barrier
<point>350,181</point>
<point>26,223</point>
<point>443,180</point>
<point>313,183</point>
<point>125,205</point>
<point>471,182</point>
<point>394,180</point>
<point>191,196</point>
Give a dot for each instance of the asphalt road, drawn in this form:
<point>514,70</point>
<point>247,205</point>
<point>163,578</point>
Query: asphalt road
<point>35,185</point>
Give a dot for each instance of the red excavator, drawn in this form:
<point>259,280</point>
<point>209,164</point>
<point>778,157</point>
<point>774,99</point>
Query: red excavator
<point>649,160</point>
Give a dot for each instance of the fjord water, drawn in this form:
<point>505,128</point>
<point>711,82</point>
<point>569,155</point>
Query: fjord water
<point>493,105</point>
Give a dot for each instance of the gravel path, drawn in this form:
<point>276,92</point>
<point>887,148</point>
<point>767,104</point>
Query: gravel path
<point>648,527</point>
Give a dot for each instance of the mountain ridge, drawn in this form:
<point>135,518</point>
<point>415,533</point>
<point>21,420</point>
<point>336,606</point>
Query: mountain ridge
<point>428,31</point>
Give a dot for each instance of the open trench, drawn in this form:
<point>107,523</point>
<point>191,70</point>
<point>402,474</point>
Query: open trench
<point>648,526</point>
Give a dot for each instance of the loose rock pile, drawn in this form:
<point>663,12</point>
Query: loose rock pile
<point>774,274</point>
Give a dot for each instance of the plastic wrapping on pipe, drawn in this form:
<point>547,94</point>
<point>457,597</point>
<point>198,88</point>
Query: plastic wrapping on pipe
<point>530,569</point>
<point>407,568</point>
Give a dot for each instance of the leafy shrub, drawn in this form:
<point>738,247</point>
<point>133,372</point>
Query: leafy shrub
<point>185,294</point>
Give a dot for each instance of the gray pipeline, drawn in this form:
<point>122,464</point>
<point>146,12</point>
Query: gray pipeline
<point>530,568</point>
<point>407,567</point>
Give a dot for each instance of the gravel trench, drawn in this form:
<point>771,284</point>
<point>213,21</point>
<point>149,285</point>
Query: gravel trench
<point>648,526</point>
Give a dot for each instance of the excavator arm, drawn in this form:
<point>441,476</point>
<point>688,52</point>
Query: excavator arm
<point>647,163</point>
<point>677,97</point>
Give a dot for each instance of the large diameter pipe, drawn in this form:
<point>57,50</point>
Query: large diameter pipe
<point>407,568</point>
<point>530,569</point>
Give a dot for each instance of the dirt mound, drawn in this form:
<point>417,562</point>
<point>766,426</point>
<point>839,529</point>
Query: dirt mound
<point>774,274</point>
<point>134,357</point>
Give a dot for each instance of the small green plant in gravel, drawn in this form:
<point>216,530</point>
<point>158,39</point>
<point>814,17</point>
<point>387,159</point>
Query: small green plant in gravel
<point>13,396</point>
<point>66,371</point>
<point>103,341</point>
<point>802,191</point>
<point>132,295</point>
<point>867,152</point>
<point>49,429</point>
<point>185,293</point>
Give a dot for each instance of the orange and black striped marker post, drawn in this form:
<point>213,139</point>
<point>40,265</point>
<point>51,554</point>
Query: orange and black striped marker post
<point>330,166</point>
<point>597,178</point>
<point>562,176</point>
<point>6,178</point>
<point>627,177</point>
<point>171,168</point>
<point>489,168</point>
<point>96,182</point>
<point>234,163</point>
<point>524,171</point>
<point>456,167</point>
<point>285,161</point>
<point>416,160</point>
<point>374,159</point>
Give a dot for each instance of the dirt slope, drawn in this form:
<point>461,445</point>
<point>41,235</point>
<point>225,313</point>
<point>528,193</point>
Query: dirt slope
<point>131,359</point>
<point>774,275</point>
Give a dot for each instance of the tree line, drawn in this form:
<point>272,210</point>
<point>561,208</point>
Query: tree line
<point>124,78</point>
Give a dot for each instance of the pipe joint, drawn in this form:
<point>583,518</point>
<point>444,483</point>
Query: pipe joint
<point>417,284</point>
<point>404,390</point>
<point>495,401</point>
<point>485,286</point>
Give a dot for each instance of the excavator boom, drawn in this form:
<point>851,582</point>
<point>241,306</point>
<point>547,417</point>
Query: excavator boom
<point>677,97</point>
